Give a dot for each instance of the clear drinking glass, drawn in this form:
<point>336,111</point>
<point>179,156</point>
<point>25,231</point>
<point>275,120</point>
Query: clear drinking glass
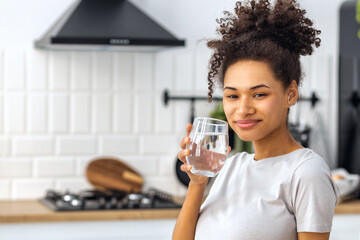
<point>209,143</point>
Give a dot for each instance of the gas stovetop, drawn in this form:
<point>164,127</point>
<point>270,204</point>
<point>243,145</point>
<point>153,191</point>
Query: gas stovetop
<point>107,200</point>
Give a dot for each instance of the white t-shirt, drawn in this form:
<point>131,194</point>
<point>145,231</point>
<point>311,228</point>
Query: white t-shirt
<point>273,198</point>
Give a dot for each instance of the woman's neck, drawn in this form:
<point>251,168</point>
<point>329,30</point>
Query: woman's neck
<point>277,143</point>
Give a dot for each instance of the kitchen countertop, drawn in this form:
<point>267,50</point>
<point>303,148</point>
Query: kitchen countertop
<point>34,211</point>
<point>349,207</point>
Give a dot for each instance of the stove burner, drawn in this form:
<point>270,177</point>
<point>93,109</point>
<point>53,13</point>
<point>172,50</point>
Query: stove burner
<point>102,200</point>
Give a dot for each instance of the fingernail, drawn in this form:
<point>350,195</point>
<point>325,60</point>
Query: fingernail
<point>186,152</point>
<point>188,167</point>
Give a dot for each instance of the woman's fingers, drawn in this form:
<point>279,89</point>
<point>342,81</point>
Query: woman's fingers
<point>185,152</point>
<point>229,149</point>
<point>184,141</point>
<point>182,154</point>
<point>188,129</point>
<point>185,168</point>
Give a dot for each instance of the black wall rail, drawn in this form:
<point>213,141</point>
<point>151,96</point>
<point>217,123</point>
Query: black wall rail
<point>166,98</point>
<point>192,99</point>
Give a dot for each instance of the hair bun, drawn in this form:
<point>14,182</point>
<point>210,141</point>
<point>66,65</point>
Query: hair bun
<point>284,23</point>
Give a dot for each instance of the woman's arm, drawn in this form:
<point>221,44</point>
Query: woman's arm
<point>313,236</point>
<point>187,219</point>
<point>186,223</point>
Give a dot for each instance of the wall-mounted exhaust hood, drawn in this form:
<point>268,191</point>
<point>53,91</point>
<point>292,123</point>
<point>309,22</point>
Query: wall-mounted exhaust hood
<point>106,25</point>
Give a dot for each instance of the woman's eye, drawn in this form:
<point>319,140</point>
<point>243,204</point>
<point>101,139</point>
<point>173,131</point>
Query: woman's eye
<point>259,95</point>
<point>232,96</point>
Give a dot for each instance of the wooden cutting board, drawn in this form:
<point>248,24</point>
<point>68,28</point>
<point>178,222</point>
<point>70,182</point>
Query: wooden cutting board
<point>113,174</point>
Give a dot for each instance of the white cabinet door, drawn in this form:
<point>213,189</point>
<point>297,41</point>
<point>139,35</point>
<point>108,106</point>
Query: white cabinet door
<point>346,227</point>
<point>98,230</point>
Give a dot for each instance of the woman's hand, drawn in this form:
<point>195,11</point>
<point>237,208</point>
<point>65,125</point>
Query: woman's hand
<point>195,179</point>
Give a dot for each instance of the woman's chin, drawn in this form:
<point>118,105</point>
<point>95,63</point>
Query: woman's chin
<point>246,138</point>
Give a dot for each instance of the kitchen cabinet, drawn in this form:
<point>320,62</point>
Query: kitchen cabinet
<point>29,220</point>
<point>346,226</point>
<point>94,230</point>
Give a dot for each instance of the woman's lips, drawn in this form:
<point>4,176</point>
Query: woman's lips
<point>247,123</point>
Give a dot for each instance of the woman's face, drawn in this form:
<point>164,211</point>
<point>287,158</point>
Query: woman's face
<point>255,103</point>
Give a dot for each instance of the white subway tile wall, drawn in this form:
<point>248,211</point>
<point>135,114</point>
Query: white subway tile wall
<point>37,70</point>
<point>143,72</point>
<point>80,71</point>
<point>75,184</point>
<point>123,113</point>
<point>14,112</point>
<point>59,71</point>
<point>59,110</point>
<point>33,146</point>
<point>4,146</point>
<point>102,71</point>
<point>143,109</point>
<point>77,145</point>
<point>1,112</point>
<point>31,188</point>
<point>101,114</point>
<point>124,144</point>
<point>80,104</point>
<point>164,71</point>
<point>54,167</point>
<point>1,68</point>
<point>37,105</point>
<point>123,68</point>
<point>184,72</point>
<point>14,70</point>
<point>15,167</point>
<point>5,189</point>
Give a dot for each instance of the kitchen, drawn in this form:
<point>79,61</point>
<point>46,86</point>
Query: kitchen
<point>62,109</point>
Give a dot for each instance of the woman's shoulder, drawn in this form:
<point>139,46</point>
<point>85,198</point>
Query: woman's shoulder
<point>310,164</point>
<point>236,160</point>
<point>239,157</point>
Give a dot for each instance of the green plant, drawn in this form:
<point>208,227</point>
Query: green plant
<point>239,145</point>
<point>218,112</point>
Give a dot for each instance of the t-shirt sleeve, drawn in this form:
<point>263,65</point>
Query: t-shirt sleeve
<point>314,196</point>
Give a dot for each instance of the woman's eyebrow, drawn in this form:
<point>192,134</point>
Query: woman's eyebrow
<point>230,88</point>
<point>252,88</point>
<point>259,86</point>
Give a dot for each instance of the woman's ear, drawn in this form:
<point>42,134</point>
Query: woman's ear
<point>293,93</point>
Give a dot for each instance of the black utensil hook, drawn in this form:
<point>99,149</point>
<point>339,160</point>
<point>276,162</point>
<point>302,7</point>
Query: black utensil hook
<point>355,99</point>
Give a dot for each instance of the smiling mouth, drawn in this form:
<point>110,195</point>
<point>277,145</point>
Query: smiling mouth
<point>247,123</point>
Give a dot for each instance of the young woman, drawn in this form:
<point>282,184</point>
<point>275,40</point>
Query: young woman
<point>283,191</point>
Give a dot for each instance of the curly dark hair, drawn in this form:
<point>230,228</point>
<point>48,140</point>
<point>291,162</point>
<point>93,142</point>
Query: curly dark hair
<point>276,34</point>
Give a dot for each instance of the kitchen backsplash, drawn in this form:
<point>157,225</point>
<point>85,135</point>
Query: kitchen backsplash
<point>59,110</point>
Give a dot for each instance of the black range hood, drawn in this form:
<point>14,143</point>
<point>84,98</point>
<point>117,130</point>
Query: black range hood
<point>106,25</point>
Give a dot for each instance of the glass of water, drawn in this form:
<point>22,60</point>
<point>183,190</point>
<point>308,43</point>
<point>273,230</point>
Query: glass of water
<point>209,143</point>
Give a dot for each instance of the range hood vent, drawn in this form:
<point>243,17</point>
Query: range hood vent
<point>106,25</point>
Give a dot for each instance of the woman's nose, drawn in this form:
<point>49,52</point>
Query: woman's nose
<point>245,108</point>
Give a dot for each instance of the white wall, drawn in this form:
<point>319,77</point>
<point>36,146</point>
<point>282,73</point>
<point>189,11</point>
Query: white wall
<point>58,110</point>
